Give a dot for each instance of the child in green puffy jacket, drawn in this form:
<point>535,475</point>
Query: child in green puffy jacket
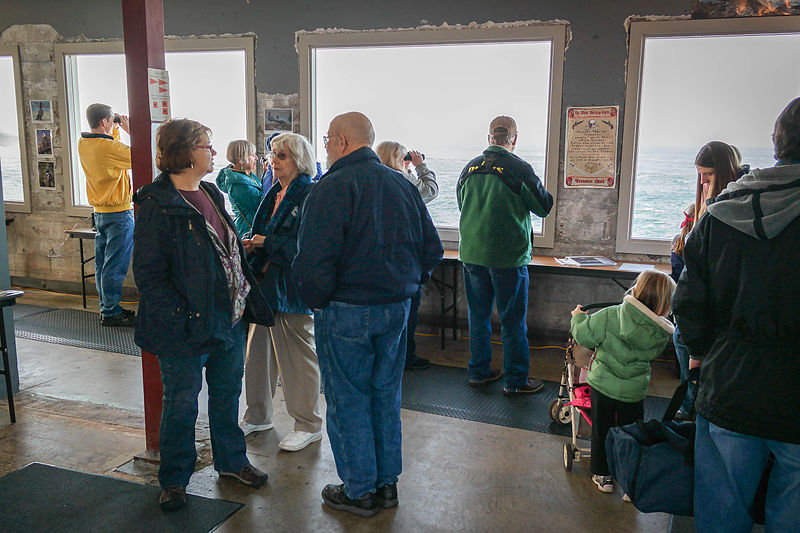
<point>626,338</point>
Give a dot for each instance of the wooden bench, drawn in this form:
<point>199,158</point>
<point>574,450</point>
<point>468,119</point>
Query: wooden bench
<point>543,264</point>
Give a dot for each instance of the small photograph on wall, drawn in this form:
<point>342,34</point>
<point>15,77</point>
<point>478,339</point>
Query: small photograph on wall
<point>47,175</point>
<point>41,111</point>
<point>44,142</point>
<point>278,120</point>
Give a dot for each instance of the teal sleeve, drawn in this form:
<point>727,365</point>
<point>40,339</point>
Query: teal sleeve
<point>246,198</point>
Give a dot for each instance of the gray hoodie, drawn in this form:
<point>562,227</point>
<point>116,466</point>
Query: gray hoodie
<point>761,203</point>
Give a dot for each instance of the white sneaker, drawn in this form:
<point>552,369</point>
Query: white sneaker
<point>626,498</point>
<point>297,440</point>
<point>603,483</point>
<point>248,428</point>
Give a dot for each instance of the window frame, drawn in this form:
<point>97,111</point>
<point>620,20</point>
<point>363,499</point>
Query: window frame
<point>638,33</point>
<point>25,205</point>
<point>556,33</point>
<point>69,132</point>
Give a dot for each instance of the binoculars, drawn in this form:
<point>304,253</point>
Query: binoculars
<point>408,157</point>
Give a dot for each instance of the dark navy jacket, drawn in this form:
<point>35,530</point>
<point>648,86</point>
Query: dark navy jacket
<point>366,236</point>
<point>184,306</point>
<point>280,245</point>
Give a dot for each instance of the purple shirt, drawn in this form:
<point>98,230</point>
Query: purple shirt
<point>200,200</point>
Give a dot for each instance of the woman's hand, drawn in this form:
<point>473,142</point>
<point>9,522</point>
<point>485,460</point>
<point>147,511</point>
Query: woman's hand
<point>577,310</point>
<point>257,241</point>
<point>416,158</point>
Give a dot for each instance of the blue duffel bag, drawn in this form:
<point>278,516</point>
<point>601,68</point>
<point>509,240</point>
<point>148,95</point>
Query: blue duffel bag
<point>653,461</point>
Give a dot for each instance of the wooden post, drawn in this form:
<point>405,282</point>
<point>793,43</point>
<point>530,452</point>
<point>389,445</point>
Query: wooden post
<point>143,26</point>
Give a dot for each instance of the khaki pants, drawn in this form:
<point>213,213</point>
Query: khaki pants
<point>288,347</point>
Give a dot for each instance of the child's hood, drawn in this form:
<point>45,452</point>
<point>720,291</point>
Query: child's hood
<point>641,328</point>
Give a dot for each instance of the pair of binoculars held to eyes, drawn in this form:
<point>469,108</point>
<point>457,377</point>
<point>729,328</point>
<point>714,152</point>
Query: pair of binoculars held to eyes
<point>408,157</point>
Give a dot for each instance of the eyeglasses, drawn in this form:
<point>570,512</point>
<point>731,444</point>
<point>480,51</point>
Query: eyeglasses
<point>205,147</point>
<point>327,138</point>
<point>280,155</point>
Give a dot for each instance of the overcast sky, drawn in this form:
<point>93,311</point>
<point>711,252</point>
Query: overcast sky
<point>698,89</point>
<point>438,99</point>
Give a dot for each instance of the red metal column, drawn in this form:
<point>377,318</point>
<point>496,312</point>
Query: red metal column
<point>143,26</point>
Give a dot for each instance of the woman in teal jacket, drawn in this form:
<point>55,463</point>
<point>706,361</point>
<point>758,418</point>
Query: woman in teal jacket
<point>241,184</point>
<point>627,337</point>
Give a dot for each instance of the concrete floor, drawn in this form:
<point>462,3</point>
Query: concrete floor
<point>82,409</point>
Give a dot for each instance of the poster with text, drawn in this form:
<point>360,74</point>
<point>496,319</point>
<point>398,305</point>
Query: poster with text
<point>591,147</point>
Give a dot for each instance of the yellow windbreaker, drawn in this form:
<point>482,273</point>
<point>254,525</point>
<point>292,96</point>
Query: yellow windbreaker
<point>105,162</point>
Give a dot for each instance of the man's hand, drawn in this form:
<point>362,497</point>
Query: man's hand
<point>694,363</point>
<point>416,158</point>
<point>125,124</point>
<point>577,310</point>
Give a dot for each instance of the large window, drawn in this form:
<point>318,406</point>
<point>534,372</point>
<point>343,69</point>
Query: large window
<point>211,81</point>
<point>690,82</point>
<point>436,92</point>
<point>13,159</point>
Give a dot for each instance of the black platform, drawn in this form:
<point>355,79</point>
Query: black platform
<point>44,498</point>
<point>442,390</point>
<point>72,328</point>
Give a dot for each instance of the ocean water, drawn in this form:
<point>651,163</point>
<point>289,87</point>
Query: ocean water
<point>665,184</point>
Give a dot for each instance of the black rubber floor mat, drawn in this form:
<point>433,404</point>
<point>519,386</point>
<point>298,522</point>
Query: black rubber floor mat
<point>71,327</point>
<point>47,499</point>
<point>442,390</point>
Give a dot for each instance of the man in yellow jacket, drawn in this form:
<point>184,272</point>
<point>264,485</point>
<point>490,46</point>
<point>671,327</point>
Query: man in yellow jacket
<point>105,162</point>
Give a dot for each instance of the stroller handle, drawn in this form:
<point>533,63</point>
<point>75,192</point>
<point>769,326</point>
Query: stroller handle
<point>599,305</point>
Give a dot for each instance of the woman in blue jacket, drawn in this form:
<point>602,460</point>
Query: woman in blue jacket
<point>196,293</point>
<point>289,345</point>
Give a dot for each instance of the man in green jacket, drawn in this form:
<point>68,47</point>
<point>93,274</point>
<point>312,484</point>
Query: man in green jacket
<point>496,193</point>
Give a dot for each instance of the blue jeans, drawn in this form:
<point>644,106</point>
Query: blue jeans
<point>510,287</point>
<point>727,470</point>
<point>112,256</point>
<point>411,328</point>
<point>361,355</point>
<point>182,378</point>
<point>682,354</point>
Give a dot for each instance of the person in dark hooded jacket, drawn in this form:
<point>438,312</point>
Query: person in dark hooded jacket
<point>736,304</point>
<point>196,293</point>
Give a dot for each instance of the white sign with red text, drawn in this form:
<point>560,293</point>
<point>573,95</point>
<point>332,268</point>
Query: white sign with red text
<point>591,152</point>
<point>158,83</point>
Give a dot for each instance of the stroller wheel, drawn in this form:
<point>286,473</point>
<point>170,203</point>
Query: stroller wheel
<point>560,413</point>
<point>568,456</point>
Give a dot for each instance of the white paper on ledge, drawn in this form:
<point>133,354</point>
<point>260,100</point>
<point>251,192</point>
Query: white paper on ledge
<point>636,267</point>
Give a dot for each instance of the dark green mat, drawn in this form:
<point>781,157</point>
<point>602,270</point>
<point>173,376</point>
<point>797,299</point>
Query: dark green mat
<point>44,498</point>
<point>72,328</point>
<point>443,390</point>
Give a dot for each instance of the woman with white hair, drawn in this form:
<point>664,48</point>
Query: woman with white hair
<point>288,346</point>
<point>241,184</point>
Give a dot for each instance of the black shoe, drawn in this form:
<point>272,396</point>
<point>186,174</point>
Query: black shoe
<point>532,386</point>
<point>418,364</point>
<point>249,475</point>
<point>494,375</point>
<point>334,496</point>
<point>387,495</point>
<point>172,498</point>
<point>683,416</point>
<point>126,318</point>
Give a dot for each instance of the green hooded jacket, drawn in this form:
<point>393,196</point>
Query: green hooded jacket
<point>627,337</point>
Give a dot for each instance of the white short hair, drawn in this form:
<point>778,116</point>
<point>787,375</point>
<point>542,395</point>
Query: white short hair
<point>300,150</point>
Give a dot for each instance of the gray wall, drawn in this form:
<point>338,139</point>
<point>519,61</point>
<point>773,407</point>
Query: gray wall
<point>595,62</point>
<point>594,74</point>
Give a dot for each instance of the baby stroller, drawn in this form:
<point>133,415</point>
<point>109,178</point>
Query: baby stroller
<point>573,404</point>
